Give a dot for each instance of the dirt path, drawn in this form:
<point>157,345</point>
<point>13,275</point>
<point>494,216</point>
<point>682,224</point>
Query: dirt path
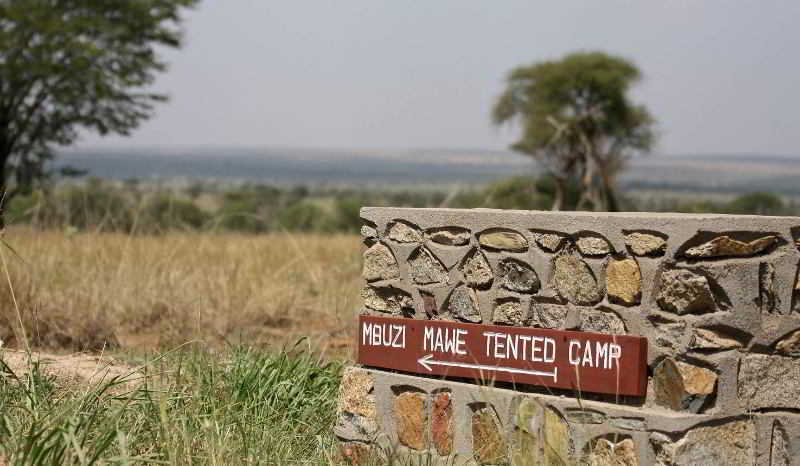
<point>77,368</point>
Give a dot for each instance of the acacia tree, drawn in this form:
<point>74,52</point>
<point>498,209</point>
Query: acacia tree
<point>577,121</point>
<point>67,65</point>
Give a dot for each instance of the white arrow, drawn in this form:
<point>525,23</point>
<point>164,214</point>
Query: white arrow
<point>428,361</point>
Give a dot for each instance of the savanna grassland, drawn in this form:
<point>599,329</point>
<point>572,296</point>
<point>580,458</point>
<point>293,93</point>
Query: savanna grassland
<point>201,332</point>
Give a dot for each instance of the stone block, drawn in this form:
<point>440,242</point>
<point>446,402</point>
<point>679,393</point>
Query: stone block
<point>682,386</point>
<point>645,244</point>
<point>476,270</point>
<point>354,454</point>
<point>607,453</point>
<point>411,419</point>
<point>488,442</point>
<point>403,232</point>
<point>726,444</point>
<point>574,280</point>
<point>503,240</point>
<point>380,264</point>
<point>449,236</point>
<point>769,382</point>
<point>518,276</point>
<point>685,292</point>
<point>725,246</point>
<point>442,423</point>
<point>624,281</point>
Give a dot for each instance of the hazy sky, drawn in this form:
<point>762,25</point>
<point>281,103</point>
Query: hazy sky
<point>720,76</point>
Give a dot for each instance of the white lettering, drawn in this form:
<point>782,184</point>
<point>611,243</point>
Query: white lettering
<point>450,341</point>
<point>587,355</point>
<point>439,346</point>
<point>511,346</point>
<point>366,334</point>
<point>549,349</point>
<point>525,340</point>
<point>489,336</point>
<point>460,341</point>
<point>577,359</point>
<point>376,335</point>
<point>427,337</point>
<point>536,349</point>
<point>615,352</point>
<point>499,345</point>
<point>601,355</point>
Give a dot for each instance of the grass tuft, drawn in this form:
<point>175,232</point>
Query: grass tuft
<point>184,407</point>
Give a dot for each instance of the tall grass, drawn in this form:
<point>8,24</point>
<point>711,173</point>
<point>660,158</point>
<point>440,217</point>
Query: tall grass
<point>189,407</point>
<point>89,291</point>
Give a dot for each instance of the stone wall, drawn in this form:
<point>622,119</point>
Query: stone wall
<point>716,296</point>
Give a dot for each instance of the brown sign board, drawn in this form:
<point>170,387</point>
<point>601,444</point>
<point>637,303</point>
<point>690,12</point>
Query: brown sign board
<point>580,361</point>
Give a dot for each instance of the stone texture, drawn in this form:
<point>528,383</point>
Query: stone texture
<point>518,276</point>
<point>707,339</point>
<point>685,292</point>
<point>368,231</point>
<point>529,416</point>
<point>769,382</point>
<point>779,449</point>
<point>404,233</point>
<point>511,312</point>
<point>425,268</point>
<point>488,443</point>
<point>351,426</point>
<point>628,423</point>
<point>387,299</point>
<point>593,246</point>
<point>593,320</point>
<point>550,242</point>
<point>442,423</point>
<point>449,236</point>
<point>606,453</point>
<point>789,345</point>
<point>429,304</point>
<point>525,449</point>
<point>574,280</point>
<point>732,443</point>
<point>768,301</point>
<point>463,304</point>
<point>503,240</point>
<point>668,333</point>
<point>411,419</point>
<point>356,407</point>
<point>476,270</point>
<point>645,244</point>
<point>547,315</point>
<point>528,419</point>
<point>682,386</point>
<point>624,281</point>
<point>585,416</point>
<point>725,246</point>
<point>354,454</point>
<point>557,444</point>
<point>379,264</point>
<point>355,393</point>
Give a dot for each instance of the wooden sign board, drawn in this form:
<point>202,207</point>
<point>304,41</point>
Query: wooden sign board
<point>580,361</point>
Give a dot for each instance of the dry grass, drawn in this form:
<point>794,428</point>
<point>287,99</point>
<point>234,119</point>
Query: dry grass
<point>88,291</point>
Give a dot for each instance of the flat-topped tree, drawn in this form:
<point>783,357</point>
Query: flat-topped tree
<point>577,121</point>
<point>68,65</point>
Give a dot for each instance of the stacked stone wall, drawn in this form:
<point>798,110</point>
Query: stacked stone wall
<point>716,296</point>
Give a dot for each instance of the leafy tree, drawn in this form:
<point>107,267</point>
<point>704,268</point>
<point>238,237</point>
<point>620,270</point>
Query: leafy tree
<point>577,121</point>
<point>68,65</point>
<point>758,203</point>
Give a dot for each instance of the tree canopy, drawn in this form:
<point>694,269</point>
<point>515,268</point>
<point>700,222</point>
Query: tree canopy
<point>72,64</point>
<point>577,121</point>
